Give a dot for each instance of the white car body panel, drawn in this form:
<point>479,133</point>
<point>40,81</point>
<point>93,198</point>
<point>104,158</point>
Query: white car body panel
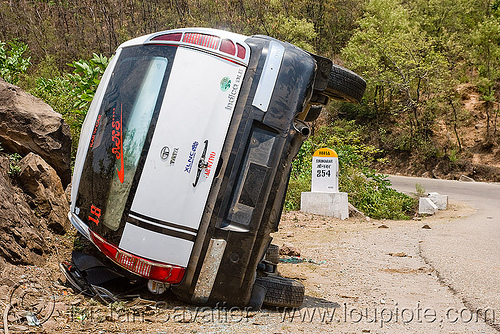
<point>155,245</point>
<point>190,114</point>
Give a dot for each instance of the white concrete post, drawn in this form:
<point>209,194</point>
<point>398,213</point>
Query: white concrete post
<point>325,171</point>
<point>324,198</point>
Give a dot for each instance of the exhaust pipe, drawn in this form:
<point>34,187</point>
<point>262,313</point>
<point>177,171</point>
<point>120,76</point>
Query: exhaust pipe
<point>301,128</point>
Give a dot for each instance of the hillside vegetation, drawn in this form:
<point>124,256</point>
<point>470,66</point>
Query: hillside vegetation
<point>432,68</point>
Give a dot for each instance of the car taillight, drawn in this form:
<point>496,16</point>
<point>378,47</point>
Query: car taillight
<point>228,47</point>
<point>207,41</point>
<point>176,37</point>
<point>241,51</point>
<point>148,269</point>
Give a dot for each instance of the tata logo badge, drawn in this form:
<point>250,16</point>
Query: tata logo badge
<point>165,152</point>
<point>225,84</point>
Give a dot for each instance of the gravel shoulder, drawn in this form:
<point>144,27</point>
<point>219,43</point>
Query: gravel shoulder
<point>361,276</point>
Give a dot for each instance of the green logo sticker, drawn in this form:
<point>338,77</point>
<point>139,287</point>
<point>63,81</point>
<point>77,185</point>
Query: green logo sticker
<point>225,84</point>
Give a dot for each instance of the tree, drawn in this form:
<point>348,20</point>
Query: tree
<point>486,50</point>
<point>401,64</point>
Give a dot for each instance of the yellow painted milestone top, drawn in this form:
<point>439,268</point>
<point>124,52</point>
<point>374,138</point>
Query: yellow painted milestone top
<point>325,152</point>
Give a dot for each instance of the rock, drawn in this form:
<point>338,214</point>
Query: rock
<point>427,175</point>
<point>353,212</point>
<point>441,201</point>
<point>18,328</point>
<point>67,191</point>
<point>426,227</point>
<point>22,234</point>
<point>7,281</point>
<point>426,206</point>
<point>50,325</point>
<point>40,181</point>
<point>383,226</point>
<point>464,178</point>
<point>5,290</point>
<point>399,254</point>
<point>27,124</point>
<point>289,250</point>
<point>60,309</point>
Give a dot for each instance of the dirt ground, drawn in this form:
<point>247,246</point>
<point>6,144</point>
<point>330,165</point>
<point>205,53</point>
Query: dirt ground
<point>361,276</point>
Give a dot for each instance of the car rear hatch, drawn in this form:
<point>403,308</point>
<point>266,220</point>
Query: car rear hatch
<point>151,145</point>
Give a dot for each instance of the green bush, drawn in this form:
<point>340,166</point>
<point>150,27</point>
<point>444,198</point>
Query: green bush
<point>295,187</point>
<point>71,94</point>
<point>14,168</point>
<point>85,79</point>
<point>300,179</point>
<point>372,195</point>
<point>12,61</point>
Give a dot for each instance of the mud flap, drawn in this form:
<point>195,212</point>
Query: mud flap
<point>209,271</point>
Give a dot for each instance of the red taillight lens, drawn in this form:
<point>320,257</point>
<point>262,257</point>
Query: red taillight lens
<point>108,249</point>
<point>148,269</point>
<point>174,274</point>
<point>168,37</point>
<point>207,41</point>
<point>228,47</point>
<point>242,52</point>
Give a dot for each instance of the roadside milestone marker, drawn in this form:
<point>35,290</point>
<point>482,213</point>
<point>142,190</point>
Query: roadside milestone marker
<point>324,198</point>
<point>325,171</point>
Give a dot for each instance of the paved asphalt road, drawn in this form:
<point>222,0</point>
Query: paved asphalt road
<point>466,251</point>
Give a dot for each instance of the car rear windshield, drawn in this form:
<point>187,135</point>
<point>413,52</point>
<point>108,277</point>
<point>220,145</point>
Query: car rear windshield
<point>124,123</point>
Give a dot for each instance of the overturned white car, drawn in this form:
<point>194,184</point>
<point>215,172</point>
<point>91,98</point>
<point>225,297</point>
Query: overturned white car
<point>185,155</point>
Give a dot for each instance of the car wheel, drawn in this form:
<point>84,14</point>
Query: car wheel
<point>345,85</point>
<point>281,291</point>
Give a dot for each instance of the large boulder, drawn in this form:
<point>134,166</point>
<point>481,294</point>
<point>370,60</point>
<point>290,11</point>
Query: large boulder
<point>48,199</point>
<point>23,235</point>
<point>27,124</point>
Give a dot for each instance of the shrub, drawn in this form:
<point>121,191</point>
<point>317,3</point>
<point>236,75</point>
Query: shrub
<point>12,61</point>
<point>14,168</point>
<point>71,94</point>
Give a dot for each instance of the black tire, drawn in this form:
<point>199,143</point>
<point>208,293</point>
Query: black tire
<point>345,85</point>
<point>281,291</point>
<point>313,113</point>
<point>273,254</point>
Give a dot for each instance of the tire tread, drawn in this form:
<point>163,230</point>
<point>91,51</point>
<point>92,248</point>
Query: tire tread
<point>281,291</point>
<point>345,85</point>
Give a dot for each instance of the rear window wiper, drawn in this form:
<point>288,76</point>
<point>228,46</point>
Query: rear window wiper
<point>202,164</point>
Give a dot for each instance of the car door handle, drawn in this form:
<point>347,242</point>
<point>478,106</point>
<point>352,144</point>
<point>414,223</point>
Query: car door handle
<point>202,164</point>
